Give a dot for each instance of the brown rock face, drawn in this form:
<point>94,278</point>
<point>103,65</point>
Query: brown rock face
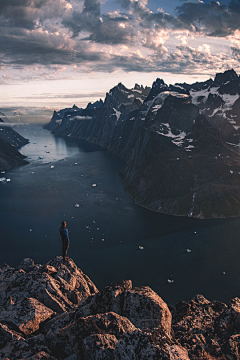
<point>111,298</point>
<point>69,339</point>
<point>119,322</point>
<point>27,314</point>
<point>58,286</point>
<point>234,310</point>
<point>146,310</point>
<point>208,330</point>
<point>142,306</point>
<point>99,346</point>
<point>148,346</point>
<point>41,356</point>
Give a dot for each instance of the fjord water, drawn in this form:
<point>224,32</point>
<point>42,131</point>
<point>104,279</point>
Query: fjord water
<point>69,179</point>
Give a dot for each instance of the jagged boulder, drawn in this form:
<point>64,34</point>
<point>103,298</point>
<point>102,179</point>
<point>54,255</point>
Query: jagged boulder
<point>26,314</point>
<point>142,306</point>
<point>204,328</point>
<point>99,346</point>
<point>24,348</point>
<point>146,309</point>
<point>140,345</point>
<point>57,285</point>
<point>111,298</point>
<point>116,323</point>
<point>234,315</point>
<point>71,338</point>
<point>234,347</point>
<point>7,335</point>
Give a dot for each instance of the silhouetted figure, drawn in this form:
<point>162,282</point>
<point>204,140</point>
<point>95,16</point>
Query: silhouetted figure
<point>65,239</point>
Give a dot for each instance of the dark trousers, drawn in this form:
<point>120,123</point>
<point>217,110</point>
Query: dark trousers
<point>65,246</point>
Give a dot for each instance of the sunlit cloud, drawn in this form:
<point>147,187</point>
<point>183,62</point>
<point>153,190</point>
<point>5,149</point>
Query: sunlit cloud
<point>53,40</point>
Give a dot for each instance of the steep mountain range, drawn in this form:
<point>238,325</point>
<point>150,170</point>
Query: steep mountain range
<point>10,141</point>
<point>180,142</point>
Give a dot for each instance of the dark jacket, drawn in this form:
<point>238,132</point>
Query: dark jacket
<point>64,234</point>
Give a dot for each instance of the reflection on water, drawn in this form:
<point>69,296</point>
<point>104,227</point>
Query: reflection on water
<point>107,228</point>
<point>45,147</point>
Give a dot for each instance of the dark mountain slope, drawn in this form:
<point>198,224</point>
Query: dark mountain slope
<point>180,143</point>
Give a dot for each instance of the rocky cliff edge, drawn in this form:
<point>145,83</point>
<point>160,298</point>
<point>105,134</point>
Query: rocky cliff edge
<point>54,311</point>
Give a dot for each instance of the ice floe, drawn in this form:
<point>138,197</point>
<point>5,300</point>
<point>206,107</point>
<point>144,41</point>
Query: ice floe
<point>4,180</point>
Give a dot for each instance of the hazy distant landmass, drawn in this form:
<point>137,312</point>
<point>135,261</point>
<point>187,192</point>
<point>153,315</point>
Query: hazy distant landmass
<point>180,142</point>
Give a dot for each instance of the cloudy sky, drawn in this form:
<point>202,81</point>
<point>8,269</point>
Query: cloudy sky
<point>54,53</point>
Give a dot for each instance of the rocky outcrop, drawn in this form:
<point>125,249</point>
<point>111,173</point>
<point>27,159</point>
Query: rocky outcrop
<point>78,322</point>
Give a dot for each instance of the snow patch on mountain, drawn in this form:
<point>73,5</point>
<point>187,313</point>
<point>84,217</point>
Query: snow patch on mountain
<point>203,94</point>
<point>229,100</point>
<point>79,117</point>
<point>165,130</point>
<point>117,114</point>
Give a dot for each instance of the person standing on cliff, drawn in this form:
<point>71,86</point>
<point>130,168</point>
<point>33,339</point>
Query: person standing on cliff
<point>65,239</point>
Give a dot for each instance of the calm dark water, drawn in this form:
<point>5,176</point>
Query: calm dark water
<point>107,228</point>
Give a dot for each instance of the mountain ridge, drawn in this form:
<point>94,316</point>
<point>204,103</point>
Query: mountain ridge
<point>164,134</point>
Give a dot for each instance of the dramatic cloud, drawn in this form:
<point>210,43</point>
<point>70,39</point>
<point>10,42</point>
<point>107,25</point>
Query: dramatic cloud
<point>55,38</point>
<point>28,13</point>
<point>213,18</point>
